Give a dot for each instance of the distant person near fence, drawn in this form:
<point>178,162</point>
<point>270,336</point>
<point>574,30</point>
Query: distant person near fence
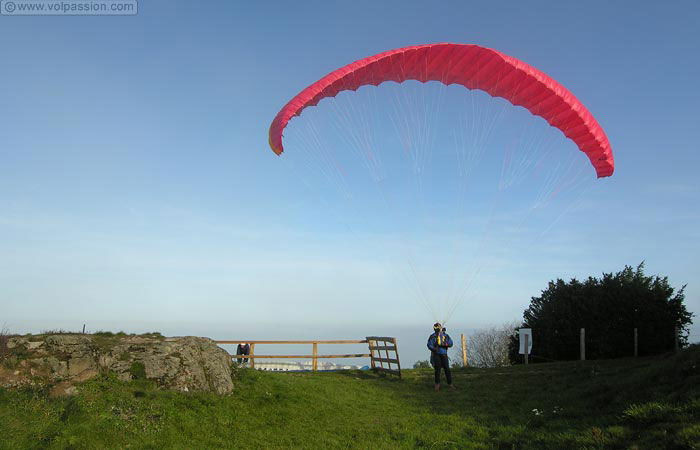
<point>243,349</point>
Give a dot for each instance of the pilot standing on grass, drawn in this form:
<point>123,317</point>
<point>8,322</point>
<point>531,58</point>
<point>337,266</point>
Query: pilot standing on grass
<point>438,343</point>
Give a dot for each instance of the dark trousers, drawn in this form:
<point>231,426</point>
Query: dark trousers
<point>441,362</point>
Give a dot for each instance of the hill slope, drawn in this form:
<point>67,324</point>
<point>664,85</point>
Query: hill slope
<point>630,403</point>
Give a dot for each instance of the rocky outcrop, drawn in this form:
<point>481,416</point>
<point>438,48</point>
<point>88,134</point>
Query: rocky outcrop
<point>181,363</point>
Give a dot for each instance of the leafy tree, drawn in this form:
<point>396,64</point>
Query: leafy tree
<point>609,309</point>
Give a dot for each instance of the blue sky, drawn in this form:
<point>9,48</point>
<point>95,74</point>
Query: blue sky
<point>137,190</point>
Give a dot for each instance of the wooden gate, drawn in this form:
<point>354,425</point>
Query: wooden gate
<point>377,345</point>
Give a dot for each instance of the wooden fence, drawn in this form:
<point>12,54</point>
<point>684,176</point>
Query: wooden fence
<point>582,343</point>
<point>377,361</point>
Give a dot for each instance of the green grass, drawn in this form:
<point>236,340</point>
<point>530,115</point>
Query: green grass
<point>643,403</point>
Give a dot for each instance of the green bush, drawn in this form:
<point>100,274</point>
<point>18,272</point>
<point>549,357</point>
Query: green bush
<point>137,370</point>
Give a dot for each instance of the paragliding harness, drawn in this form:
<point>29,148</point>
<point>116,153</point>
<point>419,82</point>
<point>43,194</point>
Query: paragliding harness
<point>439,341</point>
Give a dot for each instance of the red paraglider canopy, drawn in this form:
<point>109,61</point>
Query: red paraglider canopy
<point>474,67</point>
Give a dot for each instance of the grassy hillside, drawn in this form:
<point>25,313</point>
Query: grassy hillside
<point>631,403</point>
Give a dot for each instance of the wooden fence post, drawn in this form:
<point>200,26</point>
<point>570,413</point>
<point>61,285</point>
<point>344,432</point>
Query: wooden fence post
<point>315,359</point>
<point>464,351</point>
<point>252,359</point>
<point>583,344</point>
<point>386,352</point>
<point>396,351</point>
<point>379,354</point>
<point>636,341</point>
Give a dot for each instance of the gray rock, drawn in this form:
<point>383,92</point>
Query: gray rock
<point>33,345</point>
<point>80,364</point>
<point>182,363</point>
<point>13,342</point>
<point>71,345</point>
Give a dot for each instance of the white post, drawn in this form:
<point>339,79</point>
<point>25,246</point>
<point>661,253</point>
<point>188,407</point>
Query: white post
<point>527,347</point>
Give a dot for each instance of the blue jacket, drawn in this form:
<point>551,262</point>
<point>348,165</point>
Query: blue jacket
<point>444,343</point>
